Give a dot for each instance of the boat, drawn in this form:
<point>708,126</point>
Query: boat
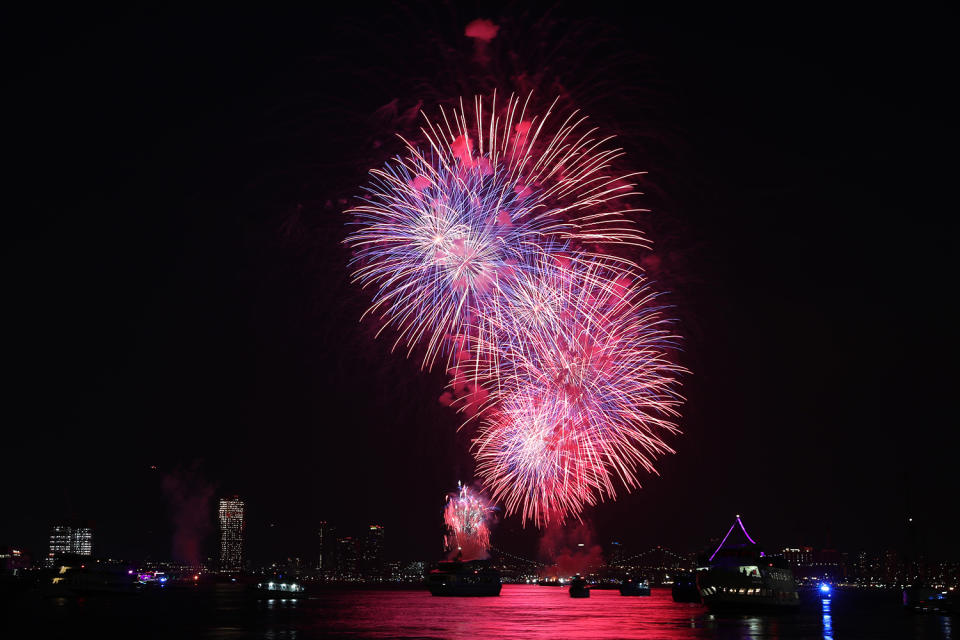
<point>579,588</point>
<point>740,577</point>
<point>549,582</point>
<point>685,590</point>
<point>634,587</point>
<point>921,599</point>
<point>277,590</point>
<point>475,578</point>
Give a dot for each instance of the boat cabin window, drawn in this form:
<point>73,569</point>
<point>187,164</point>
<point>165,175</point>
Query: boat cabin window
<point>751,570</point>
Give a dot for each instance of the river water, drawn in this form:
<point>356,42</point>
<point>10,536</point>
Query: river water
<point>522,611</point>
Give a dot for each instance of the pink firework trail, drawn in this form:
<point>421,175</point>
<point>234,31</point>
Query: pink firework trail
<point>484,246</point>
<point>467,516</point>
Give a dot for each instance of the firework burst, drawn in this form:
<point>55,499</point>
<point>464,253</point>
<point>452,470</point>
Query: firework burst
<point>467,516</point>
<point>483,246</point>
<point>582,391</point>
<point>442,227</point>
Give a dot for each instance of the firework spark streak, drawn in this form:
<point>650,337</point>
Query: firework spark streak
<point>467,517</point>
<point>482,245</point>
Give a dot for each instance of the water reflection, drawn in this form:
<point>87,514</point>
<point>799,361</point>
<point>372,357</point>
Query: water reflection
<point>522,611</point>
<point>827,619</point>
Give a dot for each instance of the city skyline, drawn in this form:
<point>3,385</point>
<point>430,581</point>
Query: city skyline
<point>227,546</point>
<point>360,557</point>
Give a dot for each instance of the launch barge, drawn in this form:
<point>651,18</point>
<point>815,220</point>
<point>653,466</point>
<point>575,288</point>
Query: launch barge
<point>464,579</point>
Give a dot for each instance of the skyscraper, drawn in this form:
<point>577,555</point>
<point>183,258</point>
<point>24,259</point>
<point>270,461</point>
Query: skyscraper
<point>60,540</point>
<point>347,558</point>
<point>70,540</point>
<point>371,551</point>
<point>327,558</point>
<point>81,541</point>
<point>231,534</point>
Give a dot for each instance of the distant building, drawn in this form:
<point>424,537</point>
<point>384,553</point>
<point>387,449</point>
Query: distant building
<point>616,555</point>
<point>13,561</point>
<point>413,571</point>
<point>72,540</point>
<point>372,553</point>
<point>892,567</point>
<point>60,540</point>
<point>327,554</point>
<point>231,533</point>
<point>347,558</point>
<point>798,556</point>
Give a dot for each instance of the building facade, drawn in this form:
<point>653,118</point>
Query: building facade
<point>232,527</point>
<point>70,540</point>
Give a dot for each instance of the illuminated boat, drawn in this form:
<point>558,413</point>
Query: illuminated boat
<point>634,587</point>
<point>740,577</point>
<point>579,588</point>
<point>464,579</point>
<point>278,590</point>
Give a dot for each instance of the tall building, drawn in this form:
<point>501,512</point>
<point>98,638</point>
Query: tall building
<point>373,547</point>
<point>70,540</point>
<point>346,559</point>
<point>231,534</point>
<point>370,552</point>
<point>323,535</point>
<point>60,536</point>
<point>615,555</point>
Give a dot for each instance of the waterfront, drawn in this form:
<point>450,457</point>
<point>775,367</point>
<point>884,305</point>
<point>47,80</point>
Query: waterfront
<point>522,611</point>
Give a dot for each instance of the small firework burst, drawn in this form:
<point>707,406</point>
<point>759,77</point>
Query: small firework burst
<point>467,516</point>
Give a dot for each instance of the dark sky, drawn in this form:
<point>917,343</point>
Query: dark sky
<point>177,294</point>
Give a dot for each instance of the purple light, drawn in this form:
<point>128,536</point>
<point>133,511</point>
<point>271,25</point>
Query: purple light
<point>729,531</point>
<point>744,529</point>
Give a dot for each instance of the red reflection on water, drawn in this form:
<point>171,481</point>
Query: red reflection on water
<point>522,611</point>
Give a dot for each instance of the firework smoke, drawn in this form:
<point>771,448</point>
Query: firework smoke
<point>188,496</point>
<point>569,551</point>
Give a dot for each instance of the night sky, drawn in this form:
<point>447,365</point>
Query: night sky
<point>177,292</point>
